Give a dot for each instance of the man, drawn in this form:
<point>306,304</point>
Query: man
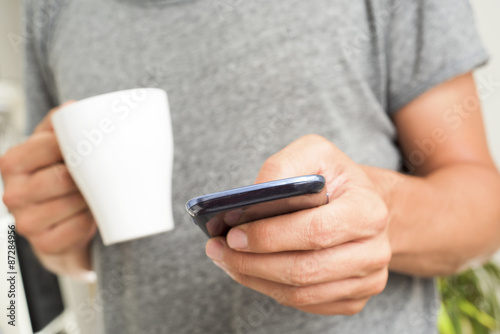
<point>376,83</point>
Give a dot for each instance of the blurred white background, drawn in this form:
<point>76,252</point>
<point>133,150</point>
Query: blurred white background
<point>487,14</point>
<point>10,62</point>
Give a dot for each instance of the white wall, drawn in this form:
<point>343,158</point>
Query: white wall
<point>10,67</point>
<point>10,63</point>
<point>487,19</point>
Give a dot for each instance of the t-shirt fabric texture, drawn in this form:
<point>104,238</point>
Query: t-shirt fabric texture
<point>244,79</point>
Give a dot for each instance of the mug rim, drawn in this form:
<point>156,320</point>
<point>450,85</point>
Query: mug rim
<point>95,98</point>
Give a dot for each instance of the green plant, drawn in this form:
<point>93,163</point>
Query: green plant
<point>470,301</point>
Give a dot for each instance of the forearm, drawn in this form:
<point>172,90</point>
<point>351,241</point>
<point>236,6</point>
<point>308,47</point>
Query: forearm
<point>443,222</point>
<point>75,264</point>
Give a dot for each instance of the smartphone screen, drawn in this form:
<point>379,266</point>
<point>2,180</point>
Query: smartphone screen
<point>215,214</point>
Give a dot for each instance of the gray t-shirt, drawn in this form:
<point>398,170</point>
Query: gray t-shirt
<point>244,79</point>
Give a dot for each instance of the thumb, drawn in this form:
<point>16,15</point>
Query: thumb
<point>311,154</point>
<point>46,124</point>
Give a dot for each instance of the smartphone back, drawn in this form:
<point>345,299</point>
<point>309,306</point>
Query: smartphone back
<point>217,213</point>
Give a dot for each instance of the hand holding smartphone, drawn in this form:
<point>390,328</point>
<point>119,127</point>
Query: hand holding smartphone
<point>216,213</point>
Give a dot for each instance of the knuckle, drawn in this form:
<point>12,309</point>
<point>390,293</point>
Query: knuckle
<point>75,201</point>
<point>320,234</point>
<point>87,221</point>
<point>25,224</point>
<point>380,284</point>
<point>381,257</point>
<point>375,215</point>
<point>11,197</point>
<point>62,174</point>
<point>386,255</point>
<point>278,165</point>
<point>262,236</point>
<point>381,217</point>
<point>301,272</point>
<point>87,217</point>
<point>79,225</point>
<point>237,264</point>
<point>298,296</point>
<point>354,307</point>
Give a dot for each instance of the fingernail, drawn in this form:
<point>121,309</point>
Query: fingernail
<point>237,239</point>
<point>215,250</point>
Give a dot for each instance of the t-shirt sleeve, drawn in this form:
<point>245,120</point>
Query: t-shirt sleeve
<point>38,97</point>
<point>429,42</point>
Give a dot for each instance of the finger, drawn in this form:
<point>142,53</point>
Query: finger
<point>39,150</point>
<point>42,185</point>
<point>46,123</point>
<point>352,216</point>
<point>38,217</point>
<point>292,160</point>
<point>341,307</point>
<point>305,268</point>
<point>319,294</point>
<point>73,233</point>
<point>49,182</point>
<point>311,154</point>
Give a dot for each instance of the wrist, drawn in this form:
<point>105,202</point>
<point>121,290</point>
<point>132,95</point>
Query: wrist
<point>386,183</point>
<point>75,264</point>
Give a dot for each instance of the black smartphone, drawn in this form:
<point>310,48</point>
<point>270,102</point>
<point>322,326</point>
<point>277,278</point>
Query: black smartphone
<point>216,213</point>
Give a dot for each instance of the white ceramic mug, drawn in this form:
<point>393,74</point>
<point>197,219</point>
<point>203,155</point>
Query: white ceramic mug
<point>118,148</point>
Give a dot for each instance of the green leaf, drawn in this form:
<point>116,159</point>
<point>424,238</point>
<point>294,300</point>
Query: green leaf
<point>470,301</point>
<point>472,311</point>
<point>445,324</point>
